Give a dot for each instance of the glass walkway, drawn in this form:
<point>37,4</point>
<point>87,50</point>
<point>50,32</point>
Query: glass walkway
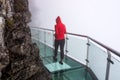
<point>85,58</point>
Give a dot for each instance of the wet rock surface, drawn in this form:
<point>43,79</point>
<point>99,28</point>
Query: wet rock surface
<point>19,57</point>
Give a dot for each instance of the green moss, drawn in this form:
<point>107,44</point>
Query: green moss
<point>9,23</point>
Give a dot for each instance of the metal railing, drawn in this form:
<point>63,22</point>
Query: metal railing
<point>101,59</point>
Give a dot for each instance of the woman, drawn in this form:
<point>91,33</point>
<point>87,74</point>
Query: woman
<point>60,31</point>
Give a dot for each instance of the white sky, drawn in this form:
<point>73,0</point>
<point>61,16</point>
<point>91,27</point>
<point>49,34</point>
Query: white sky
<point>99,19</point>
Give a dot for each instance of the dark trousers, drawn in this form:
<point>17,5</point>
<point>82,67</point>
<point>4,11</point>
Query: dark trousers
<point>60,43</point>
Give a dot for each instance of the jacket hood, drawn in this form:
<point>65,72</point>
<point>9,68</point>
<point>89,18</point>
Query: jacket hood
<point>58,20</point>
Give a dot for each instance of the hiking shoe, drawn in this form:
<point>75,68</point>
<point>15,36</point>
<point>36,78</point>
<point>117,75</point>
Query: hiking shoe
<point>61,62</point>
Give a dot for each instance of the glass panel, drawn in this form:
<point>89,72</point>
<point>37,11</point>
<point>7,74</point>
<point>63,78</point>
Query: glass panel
<point>45,51</point>
<point>115,69</point>
<point>76,74</point>
<point>35,33</point>
<point>77,48</point>
<point>41,35</point>
<point>56,66</point>
<point>97,61</point>
<point>50,38</point>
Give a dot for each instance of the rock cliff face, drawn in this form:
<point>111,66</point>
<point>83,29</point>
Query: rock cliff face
<point>19,57</point>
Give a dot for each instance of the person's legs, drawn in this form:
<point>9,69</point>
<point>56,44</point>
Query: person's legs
<point>62,43</point>
<point>56,50</point>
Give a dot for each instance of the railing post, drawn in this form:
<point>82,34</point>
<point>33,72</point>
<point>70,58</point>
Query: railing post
<point>108,65</point>
<point>66,51</point>
<point>88,44</point>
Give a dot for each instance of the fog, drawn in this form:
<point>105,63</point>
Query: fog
<point>99,19</point>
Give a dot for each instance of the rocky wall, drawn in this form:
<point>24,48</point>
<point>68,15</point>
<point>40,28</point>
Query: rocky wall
<point>19,57</point>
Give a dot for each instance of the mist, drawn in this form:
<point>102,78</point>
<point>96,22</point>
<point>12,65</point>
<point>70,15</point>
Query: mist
<point>99,19</point>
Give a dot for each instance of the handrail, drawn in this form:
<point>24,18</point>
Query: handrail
<point>101,44</point>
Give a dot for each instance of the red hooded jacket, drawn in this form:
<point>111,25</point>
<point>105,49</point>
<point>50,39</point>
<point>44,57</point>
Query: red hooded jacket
<point>60,29</point>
